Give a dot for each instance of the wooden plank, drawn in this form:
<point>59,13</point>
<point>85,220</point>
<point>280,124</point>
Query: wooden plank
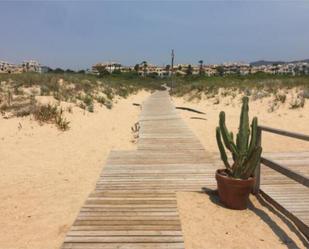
<point>123,246</point>
<point>287,172</point>
<point>116,214</point>
<point>171,227</point>
<point>124,233</point>
<point>124,239</point>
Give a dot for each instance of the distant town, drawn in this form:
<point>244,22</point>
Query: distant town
<point>146,69</point>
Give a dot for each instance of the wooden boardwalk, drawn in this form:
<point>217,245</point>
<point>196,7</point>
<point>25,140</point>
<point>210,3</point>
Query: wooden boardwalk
<point>134,202</point>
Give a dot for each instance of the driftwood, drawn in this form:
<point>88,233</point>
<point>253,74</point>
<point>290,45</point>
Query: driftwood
<point>189,109</point>
<point>198,118</point>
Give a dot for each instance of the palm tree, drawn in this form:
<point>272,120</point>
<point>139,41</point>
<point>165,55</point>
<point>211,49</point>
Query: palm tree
<point>189,70</point>
<point>136,68</point>
<point>220,70</point>
<point>168,69</point>
<point>118,66</point>
<point>145,65</point>
<point>201,67</point>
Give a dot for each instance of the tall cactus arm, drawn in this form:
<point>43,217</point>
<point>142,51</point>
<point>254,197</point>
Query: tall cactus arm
<point>246,154</point>
<point>243,131</point>
<point>222,150</point>
<point>252,162</point>
<point>226,136</point>
<point>233,155</point>
<point>254,134</point>
<point>238,167</point>
<point>232,136</point>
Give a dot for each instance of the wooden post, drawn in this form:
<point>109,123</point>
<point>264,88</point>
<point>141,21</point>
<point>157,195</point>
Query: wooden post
<point>257,172</point>
<point>172,69</point>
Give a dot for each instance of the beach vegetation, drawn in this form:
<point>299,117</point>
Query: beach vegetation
<point>51,114</point>
<point>18,91</point>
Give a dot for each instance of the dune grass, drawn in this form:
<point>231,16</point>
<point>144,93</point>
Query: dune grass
<point>122,85</point>
<point>18,91</point>
<point>271,83</point>
<point>74,87</point>
<point>279,89</point>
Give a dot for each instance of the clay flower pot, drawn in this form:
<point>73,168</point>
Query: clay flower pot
<point>233,193</point>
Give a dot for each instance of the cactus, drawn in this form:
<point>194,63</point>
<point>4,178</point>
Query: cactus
<point>246,152</point>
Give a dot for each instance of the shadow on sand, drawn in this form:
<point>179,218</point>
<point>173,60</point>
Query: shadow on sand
<point>282,235</point>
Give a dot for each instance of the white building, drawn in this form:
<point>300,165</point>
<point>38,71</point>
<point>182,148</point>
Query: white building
<point>6,67</point>
<point>31,66</point>
<point>108,66</point>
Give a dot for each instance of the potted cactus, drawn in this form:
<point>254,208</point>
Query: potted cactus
<point>235,182</point>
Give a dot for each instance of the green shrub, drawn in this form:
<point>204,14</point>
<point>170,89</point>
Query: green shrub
<point>281,97</point>
<point>90,108</point>
<point>62,123</point>
<point>298,102</point>
<point>82,106</point>
<point>109,105</point>
<point>306,93</point>
<point>101,100</point>
<point>88,100</point>
<point>45,113</point>
<point>51,114</point>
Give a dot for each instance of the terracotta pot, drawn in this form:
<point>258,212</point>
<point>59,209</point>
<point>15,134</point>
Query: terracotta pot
<point>233,193</point>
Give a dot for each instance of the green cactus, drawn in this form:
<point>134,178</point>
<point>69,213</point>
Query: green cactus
<point>246,152</point>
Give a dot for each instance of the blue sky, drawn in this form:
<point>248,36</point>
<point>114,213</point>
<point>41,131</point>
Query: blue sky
<point>76,34</point>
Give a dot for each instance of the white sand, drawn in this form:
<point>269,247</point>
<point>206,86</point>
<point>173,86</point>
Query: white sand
<point>295,120</point>
<point>47,174</point>
<point>206,224</point>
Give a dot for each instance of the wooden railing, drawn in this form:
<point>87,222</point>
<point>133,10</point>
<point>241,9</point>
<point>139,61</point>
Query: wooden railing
<point>275,166</point>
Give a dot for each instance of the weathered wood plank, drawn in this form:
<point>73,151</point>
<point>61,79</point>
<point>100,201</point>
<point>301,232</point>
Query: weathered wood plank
<point>285,133</point>
<point>123,246</point>
<point>124,233</point>
<point>124,239</point>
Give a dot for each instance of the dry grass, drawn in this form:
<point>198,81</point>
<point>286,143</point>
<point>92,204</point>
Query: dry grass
<point>248,85</point>
<point>51,114</point>
<point>19,91</point>
<point>291,89</point>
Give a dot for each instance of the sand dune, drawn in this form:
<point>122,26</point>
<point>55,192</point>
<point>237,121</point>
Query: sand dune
<point>295,120</point>
<point>47,174</point>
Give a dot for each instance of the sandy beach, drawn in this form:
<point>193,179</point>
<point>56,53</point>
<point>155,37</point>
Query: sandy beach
<point>207,224</point>
<point>93,154</point>
<point>294,120</point>
<point>46,175</point>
